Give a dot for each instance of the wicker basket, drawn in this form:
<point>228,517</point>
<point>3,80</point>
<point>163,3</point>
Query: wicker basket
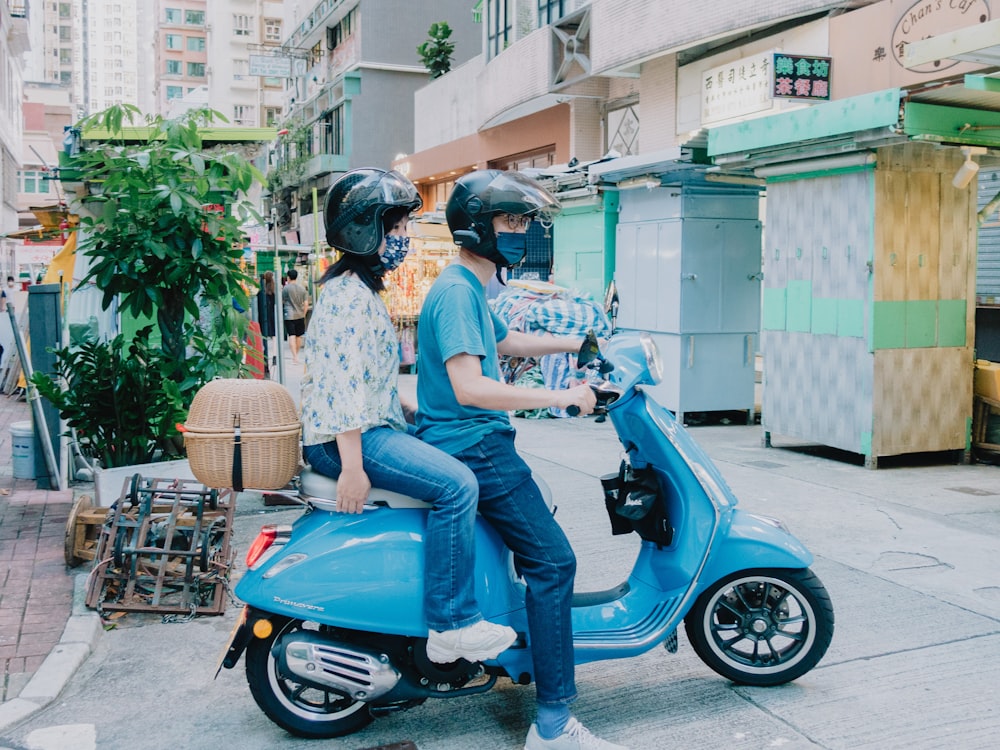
<point>269,433</point>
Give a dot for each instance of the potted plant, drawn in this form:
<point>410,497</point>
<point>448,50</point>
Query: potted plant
<point>160,225</point>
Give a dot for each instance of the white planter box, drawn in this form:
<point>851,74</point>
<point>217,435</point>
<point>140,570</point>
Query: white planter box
<point>108,483</point>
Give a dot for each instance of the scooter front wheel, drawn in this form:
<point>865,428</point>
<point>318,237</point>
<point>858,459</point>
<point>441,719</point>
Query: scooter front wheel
<point>303,710</point>
<point>762,627</point>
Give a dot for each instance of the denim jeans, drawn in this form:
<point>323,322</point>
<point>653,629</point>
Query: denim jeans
<point>511,501</point>
<point>400,462</point>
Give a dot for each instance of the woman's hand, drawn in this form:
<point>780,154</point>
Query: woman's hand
<point>353,487</point>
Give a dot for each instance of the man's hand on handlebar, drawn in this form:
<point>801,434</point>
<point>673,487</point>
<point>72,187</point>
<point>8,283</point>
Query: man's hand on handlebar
<point>577,401</point>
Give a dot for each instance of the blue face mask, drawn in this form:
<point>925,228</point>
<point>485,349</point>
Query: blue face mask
<point>396,248</point>
<point>513,246</point>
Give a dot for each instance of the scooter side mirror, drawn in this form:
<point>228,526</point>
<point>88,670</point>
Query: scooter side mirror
<point>589,351</point>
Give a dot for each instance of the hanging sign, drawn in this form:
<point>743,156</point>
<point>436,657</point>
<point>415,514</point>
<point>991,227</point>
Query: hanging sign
<point>736,89</point>
<point>800,77</point>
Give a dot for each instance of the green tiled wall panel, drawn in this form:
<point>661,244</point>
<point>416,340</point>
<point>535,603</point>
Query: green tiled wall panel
<point>824,315</point>
<point>799,306</point>
<point>851,318</point>
<point>774,309</point>
<point>889,325</point>
<point>951,322</point>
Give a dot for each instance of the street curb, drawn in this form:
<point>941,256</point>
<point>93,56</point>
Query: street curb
<point>79,639</point>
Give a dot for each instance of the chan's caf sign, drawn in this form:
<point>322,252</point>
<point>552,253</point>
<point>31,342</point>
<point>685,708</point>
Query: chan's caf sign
<point>927,18</point>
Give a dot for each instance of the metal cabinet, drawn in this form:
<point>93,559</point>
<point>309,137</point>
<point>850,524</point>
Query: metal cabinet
<point>688,262</point>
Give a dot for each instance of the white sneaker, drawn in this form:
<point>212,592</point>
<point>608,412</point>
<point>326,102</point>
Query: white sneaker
<point>574,737</point>
<point>481,640</point>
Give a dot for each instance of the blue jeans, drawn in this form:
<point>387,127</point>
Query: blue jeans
<point>511,501</point>
<point>399,462</point>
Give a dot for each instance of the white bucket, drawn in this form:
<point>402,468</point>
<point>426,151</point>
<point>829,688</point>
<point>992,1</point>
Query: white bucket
<point>22,449</point>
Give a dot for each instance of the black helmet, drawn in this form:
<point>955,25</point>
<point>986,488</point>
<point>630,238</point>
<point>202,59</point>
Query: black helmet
<point>356,203</point>
<point>479,196</point>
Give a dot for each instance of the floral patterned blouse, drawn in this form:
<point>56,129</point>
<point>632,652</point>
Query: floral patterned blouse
<point>351,357</point>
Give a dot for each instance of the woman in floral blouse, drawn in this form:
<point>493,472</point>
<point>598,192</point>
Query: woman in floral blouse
<point>354,428</point>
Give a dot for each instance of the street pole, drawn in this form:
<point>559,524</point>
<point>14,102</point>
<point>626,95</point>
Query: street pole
<point>279,309</point>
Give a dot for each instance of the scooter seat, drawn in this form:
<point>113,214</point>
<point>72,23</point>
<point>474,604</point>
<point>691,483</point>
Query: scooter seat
<point>321,490</point>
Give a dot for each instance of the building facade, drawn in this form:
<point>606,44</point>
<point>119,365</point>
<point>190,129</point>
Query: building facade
<point>354,69</point>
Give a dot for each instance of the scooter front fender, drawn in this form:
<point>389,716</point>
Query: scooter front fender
<point>753,541</point>
<point>366,572</point>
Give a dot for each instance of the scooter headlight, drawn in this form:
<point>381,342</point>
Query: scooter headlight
<point>654,363</point>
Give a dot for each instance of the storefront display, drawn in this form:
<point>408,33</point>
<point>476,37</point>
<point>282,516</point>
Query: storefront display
<point>431,249</point>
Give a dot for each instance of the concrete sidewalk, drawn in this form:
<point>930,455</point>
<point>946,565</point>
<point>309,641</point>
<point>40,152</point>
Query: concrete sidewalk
<point>41,642</point>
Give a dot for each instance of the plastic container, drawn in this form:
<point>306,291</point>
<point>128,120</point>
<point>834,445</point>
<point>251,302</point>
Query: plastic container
<point>22,448</point>
<point>987,379</point>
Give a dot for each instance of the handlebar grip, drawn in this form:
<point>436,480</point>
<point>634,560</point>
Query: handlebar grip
<point>573,410</point>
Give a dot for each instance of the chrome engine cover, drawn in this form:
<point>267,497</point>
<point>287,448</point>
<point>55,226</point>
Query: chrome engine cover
<point>358,673</point>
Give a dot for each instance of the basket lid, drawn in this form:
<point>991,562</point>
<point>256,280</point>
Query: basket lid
<point>259,404</point>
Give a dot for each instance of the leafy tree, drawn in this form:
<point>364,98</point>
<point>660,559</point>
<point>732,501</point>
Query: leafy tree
<point>158,241</point>
<point>436,52</point>
<point>162,231</point>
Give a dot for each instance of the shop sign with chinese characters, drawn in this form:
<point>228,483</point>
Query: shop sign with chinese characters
<point>801,77</point>
<point>736,89</point>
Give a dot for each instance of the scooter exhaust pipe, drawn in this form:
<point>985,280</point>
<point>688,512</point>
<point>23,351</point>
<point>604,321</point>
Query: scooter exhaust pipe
<point>357,673</point>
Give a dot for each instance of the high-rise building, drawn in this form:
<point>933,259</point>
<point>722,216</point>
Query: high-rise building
<point>106,54</point>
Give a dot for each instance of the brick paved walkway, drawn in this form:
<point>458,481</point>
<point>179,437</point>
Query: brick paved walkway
<point>36,587</point>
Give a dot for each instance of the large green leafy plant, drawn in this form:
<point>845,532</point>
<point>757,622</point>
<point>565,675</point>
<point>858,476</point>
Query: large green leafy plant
<point>161,229</point>
<point>115,398</point>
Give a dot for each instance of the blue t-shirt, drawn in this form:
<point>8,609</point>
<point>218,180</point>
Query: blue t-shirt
<point>455,319</point>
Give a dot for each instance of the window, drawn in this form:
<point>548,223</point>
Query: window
<point>64,10</point>
<point>65,33</point>
<point>174,41</point>
<point>196,69</point>
<point>196,44</point>
<point>33,181</point>
<point>244,114</point>
<point>337,34</point>
<point>272,30</point>
<point>173,67</point>
<point>242,25</point>
<point>65,56</point>
<point>65,77</point>
<point>194,17</point>
<point>172,15</point>
<point>331,131</point>
<point>550,11</point>
<point>174,92</point>
<point>272,116</point>
<point>316,55</point>
<point>241,68</point>
<point>499,17</point>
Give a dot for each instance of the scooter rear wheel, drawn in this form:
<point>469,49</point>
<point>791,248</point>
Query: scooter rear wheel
<point>762,627</point>
<point>303,710</point>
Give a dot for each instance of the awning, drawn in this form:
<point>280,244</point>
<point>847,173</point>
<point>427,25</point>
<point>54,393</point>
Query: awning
<point>964,112</point>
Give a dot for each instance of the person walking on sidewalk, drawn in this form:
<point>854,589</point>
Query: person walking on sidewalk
<point>295,300</point>
<point>463,407</point>
<point>354,428</point>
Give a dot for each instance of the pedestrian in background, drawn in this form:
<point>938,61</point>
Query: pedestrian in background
<point>295,301</point>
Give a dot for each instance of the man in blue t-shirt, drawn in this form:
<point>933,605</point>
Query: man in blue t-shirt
<point>463,407</point>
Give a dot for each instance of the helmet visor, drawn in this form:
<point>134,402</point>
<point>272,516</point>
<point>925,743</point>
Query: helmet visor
<point>514,193</point>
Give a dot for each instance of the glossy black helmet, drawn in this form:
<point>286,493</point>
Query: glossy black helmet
<point>479,196</point>
<point>356,203</point>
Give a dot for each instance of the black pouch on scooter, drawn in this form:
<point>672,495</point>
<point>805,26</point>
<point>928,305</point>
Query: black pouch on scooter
<point>634,501</point>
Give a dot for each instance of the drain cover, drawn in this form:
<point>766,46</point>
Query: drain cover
<point>764,464</point>
<point>972,491</point>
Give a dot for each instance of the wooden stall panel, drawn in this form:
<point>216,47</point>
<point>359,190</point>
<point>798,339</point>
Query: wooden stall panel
<point>922,400</point>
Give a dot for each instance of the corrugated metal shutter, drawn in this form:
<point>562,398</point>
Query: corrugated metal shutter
<point>988,264</point>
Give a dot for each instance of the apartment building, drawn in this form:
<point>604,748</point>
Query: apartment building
<point>106,54</point>
<point>354,70</point>
<point>52,27</point>
<point>13,44</point>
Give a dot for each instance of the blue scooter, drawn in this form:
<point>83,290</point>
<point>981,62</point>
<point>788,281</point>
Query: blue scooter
<point>333,628</point>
